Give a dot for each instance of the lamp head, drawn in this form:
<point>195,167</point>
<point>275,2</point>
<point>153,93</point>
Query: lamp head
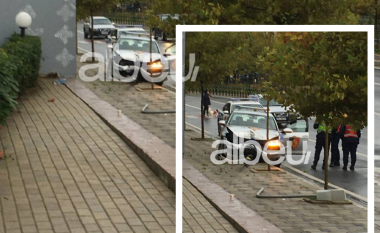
<point>23,20</point>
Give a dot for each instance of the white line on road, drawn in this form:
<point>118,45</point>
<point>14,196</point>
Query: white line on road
<point>376,113</point>
<point>377,157</point>
<point>211,100</point>
<point>80,32</point>
<point>192,107</point>
<point>377,83</point>
<point>199,129</point>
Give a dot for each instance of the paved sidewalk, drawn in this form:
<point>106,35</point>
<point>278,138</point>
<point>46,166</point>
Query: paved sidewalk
<point>290,215</point>
<point>377,199</point>
<point>67,171</point>
<point>199,215</point>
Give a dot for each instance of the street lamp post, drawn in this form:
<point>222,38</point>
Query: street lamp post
<point>23,20</point>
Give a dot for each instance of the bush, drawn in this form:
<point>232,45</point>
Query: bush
<point>19,68</point>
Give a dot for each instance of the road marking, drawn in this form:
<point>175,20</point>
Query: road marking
<point>192,106</point>
<point>211,100</point>
<point>341,149</point>
<point>200,129</point>
<point>80,32</point>
<point>377,157</point>
<point>376,113</point>
<point>377,83</point>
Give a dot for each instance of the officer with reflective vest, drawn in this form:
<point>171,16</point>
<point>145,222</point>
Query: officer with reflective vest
<point>320,143</point>
<point>350,142</point>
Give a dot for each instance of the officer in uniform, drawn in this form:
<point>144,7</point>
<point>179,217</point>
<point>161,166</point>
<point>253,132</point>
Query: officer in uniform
<point>350,142</point>
<point>335,155</point>
<point>320,143</point>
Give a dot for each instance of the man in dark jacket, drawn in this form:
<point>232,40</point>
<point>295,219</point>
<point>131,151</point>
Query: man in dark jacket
<point>206,103</point>
<point>350,142</point>
<point>320,143</point>
<point>335,155</point>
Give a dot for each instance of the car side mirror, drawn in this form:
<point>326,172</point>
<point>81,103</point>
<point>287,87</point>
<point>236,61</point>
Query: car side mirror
<point>287,130</point>
<point>226,112</point>
<point>223,123</point>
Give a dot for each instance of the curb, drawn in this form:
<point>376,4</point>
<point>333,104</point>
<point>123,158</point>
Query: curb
<point>159,156</point>
<point>352,195</point>
<point>239,215</point>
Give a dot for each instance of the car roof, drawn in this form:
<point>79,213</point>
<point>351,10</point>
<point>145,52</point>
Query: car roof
<point>258,112</point>
<point>99,17</point>
<point>145,38</point>
<point>244,103</point>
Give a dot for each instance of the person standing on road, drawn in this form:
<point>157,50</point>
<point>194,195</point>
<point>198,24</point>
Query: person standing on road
<point>350,142</point>
<point>206,103</point>
<point>320,143</point>
<point>335,155</point>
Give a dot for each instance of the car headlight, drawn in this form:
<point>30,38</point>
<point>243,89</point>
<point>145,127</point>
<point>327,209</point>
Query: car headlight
<point>156,65</point>
<point>274,144</point>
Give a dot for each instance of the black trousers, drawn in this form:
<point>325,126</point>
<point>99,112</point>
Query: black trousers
<point>205,110</point>
<point>319,144</point>
<point>350,144</point>
<point>335,155</point>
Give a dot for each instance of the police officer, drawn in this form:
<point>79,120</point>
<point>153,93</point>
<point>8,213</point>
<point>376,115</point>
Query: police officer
<point>320,143</point>
<point>335,155</point>
<point>350,141</point>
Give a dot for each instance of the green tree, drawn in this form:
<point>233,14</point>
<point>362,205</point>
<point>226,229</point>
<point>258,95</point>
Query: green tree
<point>324,75</point>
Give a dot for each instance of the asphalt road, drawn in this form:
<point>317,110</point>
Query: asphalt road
<point>100,46</point>
<point>377,117</point>
<point>354,181</point>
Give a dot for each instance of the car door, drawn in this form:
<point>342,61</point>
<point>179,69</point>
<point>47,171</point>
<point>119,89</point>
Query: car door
<point>300,134</point>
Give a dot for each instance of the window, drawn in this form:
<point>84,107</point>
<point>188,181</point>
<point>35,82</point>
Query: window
<point>299,126</point>
<point>137,45</point>
<point>102,22</point>
<point>226,107</point>
<point>251,120</point>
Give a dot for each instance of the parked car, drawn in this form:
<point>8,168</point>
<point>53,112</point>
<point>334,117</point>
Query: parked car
<point>230,106</point>
<point>123,30</point>
<point>131,58</point>
<point>102,27</point>
<point>161,31</point>
<point>251,125</point>
<point>170,54</point>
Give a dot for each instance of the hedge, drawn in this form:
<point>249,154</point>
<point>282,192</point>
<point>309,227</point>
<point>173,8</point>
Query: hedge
<point>19,67</point>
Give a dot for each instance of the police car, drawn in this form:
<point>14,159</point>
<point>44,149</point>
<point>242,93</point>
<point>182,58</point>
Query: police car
<point>300,129</point>
<point>250,124</point>
<point>230,106</point>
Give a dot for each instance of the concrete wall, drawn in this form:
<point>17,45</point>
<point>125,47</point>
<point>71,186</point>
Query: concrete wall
<point>54,21</point>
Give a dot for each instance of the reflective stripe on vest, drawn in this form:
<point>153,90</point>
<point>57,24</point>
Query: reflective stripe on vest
<point>349,132</point>
<point>322,127</point>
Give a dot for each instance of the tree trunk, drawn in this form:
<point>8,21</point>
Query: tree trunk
<point>150,60</point>
<point>326,150</point>
<point>202,112</point>
<point>268,128</point>
<point>92,36</point>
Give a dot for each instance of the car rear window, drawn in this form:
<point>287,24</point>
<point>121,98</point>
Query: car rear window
<point>136,45</point>
<point>252,120</point>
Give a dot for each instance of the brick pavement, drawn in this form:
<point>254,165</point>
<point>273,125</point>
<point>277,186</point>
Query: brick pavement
<point>67,171</point>
<point>131,100</point>
<point>290,215</point>
<point>377,199</point>
<point>199,215</point>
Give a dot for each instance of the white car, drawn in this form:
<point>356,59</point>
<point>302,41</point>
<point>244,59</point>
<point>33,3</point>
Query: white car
<point>124,30</point>
<point>132,60</point>
<point>251,125</point>
<point>230,106</point>
<point>102,27</point>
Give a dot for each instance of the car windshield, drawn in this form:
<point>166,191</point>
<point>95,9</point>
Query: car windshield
<point>252,120</point>
<point>102,21</point>
<point>271,103</point>
<point>137,45</point>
